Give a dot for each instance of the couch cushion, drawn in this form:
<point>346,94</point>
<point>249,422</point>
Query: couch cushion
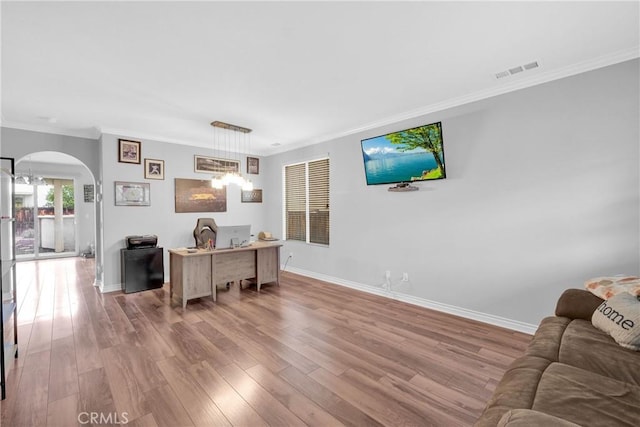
<point>528,418</point>
<point>586,398</point>
<point>578,343</point>
<point>548,337</point>
<point>517,389</point>
<point>619,316</point>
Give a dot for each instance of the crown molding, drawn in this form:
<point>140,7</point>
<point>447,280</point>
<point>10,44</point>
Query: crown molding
<point>503,88</point>
<point>89,133</point>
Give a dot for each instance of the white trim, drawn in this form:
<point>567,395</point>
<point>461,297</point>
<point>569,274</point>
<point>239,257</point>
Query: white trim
<point>114,287</point>
<point>534,79</point>
<point>503,322</point>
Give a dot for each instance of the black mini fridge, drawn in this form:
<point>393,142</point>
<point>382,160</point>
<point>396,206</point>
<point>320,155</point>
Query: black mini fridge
<point>142,269</point>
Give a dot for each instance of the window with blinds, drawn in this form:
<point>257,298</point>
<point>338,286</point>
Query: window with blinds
<point>307,201</point>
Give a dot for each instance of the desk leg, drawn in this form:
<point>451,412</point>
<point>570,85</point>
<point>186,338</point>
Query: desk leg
<point>214,288</point>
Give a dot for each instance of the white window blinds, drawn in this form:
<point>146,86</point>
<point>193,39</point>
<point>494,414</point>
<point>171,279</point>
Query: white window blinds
<point>307,201</point>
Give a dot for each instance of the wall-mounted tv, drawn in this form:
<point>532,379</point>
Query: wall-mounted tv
<point>409,155</point>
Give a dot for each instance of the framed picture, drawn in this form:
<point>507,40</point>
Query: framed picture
<point>133,193</point>
<point>128,151</point>
<point>195,195</point>
<point>89,192</point>
<point>253,196</point>
<point>153,169</point>
<point>212,165</point>
<point>253,165</point>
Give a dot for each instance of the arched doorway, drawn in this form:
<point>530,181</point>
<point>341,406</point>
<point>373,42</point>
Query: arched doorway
<point>55,216</point>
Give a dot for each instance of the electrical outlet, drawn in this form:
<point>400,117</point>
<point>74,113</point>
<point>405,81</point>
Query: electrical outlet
<point>405,277</point>
<point>387,274</point>
<point>290,254</point>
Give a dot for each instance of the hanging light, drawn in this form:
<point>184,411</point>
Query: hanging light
<point>235,140</point>
<point>22,178</point>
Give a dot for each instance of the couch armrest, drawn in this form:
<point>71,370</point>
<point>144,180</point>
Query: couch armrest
<point>577,304</point>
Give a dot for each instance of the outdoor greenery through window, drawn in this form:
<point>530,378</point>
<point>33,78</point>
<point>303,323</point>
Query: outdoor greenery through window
<point>307,201</point>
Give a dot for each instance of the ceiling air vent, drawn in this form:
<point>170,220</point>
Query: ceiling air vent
<point>517,70</point>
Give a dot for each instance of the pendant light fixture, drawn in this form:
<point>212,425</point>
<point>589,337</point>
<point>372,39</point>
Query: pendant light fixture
<point>29,178</point>
<point>232,140</point>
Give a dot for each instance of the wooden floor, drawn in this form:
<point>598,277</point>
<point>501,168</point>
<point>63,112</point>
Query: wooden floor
<point>303,353</point>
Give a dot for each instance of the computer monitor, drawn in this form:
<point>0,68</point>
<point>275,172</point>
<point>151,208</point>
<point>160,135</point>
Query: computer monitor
<point>231,236</point>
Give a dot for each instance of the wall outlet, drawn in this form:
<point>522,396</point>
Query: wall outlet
<point>290,254</point>
<point>405,277</point>
<point>387,274</point>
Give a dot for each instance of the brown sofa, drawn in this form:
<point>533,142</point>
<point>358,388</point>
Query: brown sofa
<point>571,374</point>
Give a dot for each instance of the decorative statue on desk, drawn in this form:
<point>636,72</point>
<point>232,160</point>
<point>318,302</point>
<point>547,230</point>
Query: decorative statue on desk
<point>205,233</point>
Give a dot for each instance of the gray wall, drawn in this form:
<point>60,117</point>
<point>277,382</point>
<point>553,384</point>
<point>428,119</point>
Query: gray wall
<point>85,213</point>
<point>542,193</point>
<point>19,144</point>
<point>173,229</point>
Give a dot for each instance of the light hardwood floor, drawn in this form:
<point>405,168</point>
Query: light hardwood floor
<point>304,353</point>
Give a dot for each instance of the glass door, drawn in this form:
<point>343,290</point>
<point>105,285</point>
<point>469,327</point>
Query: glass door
<point>45,219</point>
<point>25,224</point>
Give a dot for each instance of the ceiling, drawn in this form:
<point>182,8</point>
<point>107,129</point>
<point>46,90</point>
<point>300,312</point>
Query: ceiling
<point>296,73</point>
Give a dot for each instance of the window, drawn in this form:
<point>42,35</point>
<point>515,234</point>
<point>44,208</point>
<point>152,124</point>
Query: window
<point>307,201</point>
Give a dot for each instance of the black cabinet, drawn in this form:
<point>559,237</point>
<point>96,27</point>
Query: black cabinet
<point>142,269</point>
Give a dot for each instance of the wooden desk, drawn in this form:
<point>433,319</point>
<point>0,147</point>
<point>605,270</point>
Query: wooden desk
<point>197,274</point>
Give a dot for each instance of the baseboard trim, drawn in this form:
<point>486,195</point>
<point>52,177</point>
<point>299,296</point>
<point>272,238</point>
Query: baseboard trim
<point>503,322</point>
<point>114,287</point>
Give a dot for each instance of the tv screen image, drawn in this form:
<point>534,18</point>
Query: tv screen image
<point>409,155</point>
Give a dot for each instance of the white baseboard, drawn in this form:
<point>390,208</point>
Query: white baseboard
<point>114,287</point>
<point>515,325</point>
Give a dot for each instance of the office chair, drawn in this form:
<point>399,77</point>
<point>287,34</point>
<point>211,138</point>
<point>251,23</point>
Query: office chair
<point>206,229</point>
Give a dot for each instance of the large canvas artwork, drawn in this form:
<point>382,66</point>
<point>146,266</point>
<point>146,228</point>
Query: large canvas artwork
<point>406,156</point>
<point>195,195</point>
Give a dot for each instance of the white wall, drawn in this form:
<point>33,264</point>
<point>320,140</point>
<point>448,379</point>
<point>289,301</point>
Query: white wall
<point>173,229</point>
<point>542,193</point>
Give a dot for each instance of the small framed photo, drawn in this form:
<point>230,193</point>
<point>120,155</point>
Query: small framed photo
<point>133,193</point>
<point>212,165</point>
<point>128,151</point>
<point>89,193</point>
<point>153,169</point>
<point>253,165</point>
<point>253,196</point>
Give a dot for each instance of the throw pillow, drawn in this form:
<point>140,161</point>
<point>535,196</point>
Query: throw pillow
<point>606,287</point>
<point>619,316</point>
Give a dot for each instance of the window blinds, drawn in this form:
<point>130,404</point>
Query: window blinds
<point>307,201</point>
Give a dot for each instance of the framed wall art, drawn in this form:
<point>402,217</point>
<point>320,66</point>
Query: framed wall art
<point>129,151</point>
<point>213,165</point>
<point>89,192</point>
<point>153,169</point>
<point>252,196</point>
<point>196,195</point>
<point>253,165</point>
<point>132,193</point>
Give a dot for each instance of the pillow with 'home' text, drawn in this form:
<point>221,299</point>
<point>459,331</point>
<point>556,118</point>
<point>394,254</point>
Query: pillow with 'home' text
<point>619,316</point>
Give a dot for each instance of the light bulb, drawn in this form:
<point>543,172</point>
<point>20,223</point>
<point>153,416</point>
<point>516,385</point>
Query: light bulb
<point>247,186</point>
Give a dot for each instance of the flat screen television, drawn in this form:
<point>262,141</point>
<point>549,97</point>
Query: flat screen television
<point>409,155</point>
